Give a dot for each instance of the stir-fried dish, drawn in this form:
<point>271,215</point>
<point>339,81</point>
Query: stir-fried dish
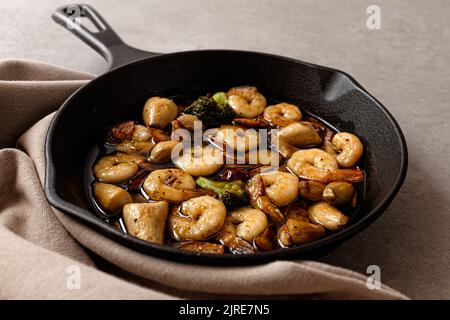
<point>227,173</point>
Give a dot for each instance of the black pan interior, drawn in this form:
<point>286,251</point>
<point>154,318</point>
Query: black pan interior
<point>326,93</point>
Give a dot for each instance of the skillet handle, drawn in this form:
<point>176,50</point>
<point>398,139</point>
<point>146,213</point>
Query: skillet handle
<point>106,42</point>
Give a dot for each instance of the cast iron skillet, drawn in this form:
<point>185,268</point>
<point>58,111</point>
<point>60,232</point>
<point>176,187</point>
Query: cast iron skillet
<point>136,75</point>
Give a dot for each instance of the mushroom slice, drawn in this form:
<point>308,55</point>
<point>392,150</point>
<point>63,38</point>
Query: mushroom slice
<point>146,220</point>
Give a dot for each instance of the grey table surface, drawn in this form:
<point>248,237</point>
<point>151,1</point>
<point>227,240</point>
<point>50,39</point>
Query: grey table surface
<point>405,65</point>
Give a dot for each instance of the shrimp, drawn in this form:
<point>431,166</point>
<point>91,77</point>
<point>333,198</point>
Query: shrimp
<point>320,166</point>
<point>159,112</point>
<point>294,136</point>
<point>282,114</point>
<point>328,216</point>
<point>338,193</point>
<point>229,238</point>
<point>280,187</point>
<point>172,185</point>
<point>246,101</point>
<point>236,138</point>
<point>349,147</point>
<point>117,167</point>
<point>250,222</point>
<point>197,219</point>
<point>272,189</point>
<point>199,161</point>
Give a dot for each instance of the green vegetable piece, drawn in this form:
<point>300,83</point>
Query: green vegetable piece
<point>220,98</point>
<point>232,194</point>
<point>211,113</point>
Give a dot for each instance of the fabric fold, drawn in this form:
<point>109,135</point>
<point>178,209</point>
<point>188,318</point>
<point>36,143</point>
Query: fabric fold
<point>30,90</point>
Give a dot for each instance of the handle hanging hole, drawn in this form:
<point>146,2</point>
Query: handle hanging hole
<point>87,23</point>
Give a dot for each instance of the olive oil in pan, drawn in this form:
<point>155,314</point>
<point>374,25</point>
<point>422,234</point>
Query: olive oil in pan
<point>134,184</point>
<point>113,219</point>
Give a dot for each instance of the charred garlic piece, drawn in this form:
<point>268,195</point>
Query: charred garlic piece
<point>111,198</point>
<point>162,152</point>
<point>338,193</point>
<point>159,112</point>
<point>328,216</point>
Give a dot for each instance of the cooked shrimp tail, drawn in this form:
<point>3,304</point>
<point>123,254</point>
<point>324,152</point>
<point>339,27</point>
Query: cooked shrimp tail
<point>229,238</point>
<point>262,198</point>
<point>267,240</point>
<point>346,175</point>
<point>235,244</point>
<point>258,122</point>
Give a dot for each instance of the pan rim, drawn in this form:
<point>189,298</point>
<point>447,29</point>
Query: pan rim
<point>170,253</point>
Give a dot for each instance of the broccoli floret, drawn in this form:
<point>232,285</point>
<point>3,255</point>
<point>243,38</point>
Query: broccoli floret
<point>210,112</point>
<point>220,98</point>
<point>232,194</point>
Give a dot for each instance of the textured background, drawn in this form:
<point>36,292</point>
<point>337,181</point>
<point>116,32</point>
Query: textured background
<point>405,65</point>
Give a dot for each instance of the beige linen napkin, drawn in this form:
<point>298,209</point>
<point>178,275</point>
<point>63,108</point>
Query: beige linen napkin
<point>42,249</point>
